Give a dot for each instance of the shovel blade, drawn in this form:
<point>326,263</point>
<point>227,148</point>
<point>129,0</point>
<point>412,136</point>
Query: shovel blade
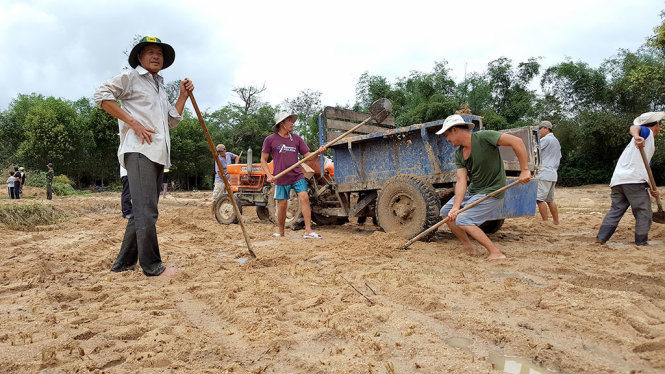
<point>659,217</point>
<point>380,109</point>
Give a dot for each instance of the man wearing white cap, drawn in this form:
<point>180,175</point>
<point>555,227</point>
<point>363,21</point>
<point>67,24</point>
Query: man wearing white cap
<point>550,155</point>
<point>629,181</point>
<point>478,157</point>
<point>284,147</point>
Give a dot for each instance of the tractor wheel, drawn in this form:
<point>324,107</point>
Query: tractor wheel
<point>407,206</point>
<point>293,213</point>
<point>263,213</point>
<point>322,220</point>
<point>224,212</point>
<point>490,227</point>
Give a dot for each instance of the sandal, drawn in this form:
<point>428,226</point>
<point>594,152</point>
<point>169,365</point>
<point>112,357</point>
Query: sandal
<point>276,235</point>
<point>312,235</point>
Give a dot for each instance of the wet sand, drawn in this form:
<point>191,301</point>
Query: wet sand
<point>348,303</point>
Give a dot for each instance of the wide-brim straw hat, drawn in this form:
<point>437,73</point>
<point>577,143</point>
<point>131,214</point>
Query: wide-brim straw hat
<point>454,120</point>
<point>280,117</point>
<point>169,52</point>
<point>648,117</point>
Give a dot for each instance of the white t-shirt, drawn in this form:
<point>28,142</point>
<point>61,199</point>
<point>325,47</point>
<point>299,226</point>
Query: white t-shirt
<point>630,167</point>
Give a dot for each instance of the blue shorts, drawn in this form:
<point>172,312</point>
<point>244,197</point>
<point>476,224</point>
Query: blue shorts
<point>476,215</point>
<point>283,192</point>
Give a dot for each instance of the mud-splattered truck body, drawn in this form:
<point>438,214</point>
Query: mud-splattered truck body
<point>402,176</point>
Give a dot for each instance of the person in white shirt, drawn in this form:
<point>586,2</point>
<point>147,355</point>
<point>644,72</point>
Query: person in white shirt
<point>629,181</point>
<point>550,154</point>
<point>145,117</point>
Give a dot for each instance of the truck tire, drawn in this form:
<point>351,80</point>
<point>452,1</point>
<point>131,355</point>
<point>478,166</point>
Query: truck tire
<point>294,218</point>
<point>224,212</point>
<point>322,220</point>
<point>490,227</point>
<point>263,213</point>
<point>407,206</point>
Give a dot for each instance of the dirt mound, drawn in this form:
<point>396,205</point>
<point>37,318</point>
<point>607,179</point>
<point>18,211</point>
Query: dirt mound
<point>350,302</point>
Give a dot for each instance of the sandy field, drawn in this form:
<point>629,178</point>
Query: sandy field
<point>349,303</point>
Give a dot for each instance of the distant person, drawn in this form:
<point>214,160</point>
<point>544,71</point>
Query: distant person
<point>550,155</point>
<point>630,181</point>
<point>49,181</point>
<point>22,171</point>
<point>284,147</point>
<point>478,157</point>
<point>126,196</point>
<point>165,182</point>
<point>145,118</point>
<point>225,158</point>
<point>17,185</point>
<point>10,185</point>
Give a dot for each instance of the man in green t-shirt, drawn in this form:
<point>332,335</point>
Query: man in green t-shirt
<point>478,158</point>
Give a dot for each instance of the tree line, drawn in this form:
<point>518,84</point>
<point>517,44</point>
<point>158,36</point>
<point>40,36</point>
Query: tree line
<point>591,107</point>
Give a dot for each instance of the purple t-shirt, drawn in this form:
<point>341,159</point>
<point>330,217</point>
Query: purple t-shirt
<point>284,152</point>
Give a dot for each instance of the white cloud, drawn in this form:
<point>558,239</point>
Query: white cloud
<point>67,48</point>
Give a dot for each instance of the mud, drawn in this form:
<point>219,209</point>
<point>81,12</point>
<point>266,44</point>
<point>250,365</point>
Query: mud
<point>348,303</point>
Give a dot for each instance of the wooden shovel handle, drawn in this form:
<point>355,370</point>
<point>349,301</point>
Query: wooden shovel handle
<point>319,151</point>
<point>652,182</point>
<point>221,173</point>
<point>469,206</point>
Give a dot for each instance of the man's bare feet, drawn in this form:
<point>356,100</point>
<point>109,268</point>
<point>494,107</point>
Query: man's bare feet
<point>169,271</point>
<point>496,256</point>
<point>555,222</point>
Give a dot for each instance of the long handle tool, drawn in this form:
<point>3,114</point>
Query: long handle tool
<point>222,175</point>
<point>436,226</point>
<point>659,216</point>
<point>379,111</point>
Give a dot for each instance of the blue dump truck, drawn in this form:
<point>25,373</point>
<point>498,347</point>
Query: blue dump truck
<point>401,176</point>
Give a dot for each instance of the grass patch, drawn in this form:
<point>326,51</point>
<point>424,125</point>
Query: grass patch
<point>27,216</point>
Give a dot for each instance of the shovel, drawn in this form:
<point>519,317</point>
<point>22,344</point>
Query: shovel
<point>469,206</point>
<point>379,111</point>
<point>222,175</point>
<point>659,216</point>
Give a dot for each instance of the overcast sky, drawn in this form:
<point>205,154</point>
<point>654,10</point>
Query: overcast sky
<point>68,48</point>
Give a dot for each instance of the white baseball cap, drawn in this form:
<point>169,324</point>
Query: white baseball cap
<point>454,120</point>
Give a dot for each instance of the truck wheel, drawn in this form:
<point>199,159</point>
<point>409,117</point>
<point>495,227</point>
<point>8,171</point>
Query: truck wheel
<point>263,213</point>
<point>322,220</point>
<point>490,227</point>
<point>407,206</point>
<point>293,213</point>
<point>224,210</point>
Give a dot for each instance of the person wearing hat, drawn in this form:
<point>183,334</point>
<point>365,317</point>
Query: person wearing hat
<point>21,171</point>
<point>49,181</point>
<point>478,159</point>
<point>284,146</point>
<point>144,118</point>
<point>550,155</point>
<point>225,158</point>
<point>629,181</point>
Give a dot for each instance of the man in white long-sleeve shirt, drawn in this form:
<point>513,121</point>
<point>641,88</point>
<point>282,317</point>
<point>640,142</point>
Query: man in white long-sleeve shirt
<point>145,117</point>
<point>629,181</point>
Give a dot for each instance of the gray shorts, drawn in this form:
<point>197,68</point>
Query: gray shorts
<point>545,191</point>
<point>476,215</point>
